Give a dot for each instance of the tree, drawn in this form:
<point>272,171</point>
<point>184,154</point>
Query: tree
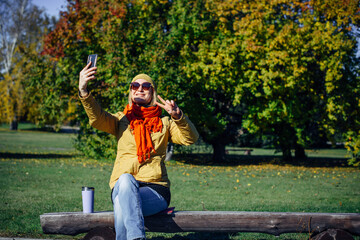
<point>274,67</point>
<point>126,36</point>
<point>207,72</point>
<point>297,58</point>
<point>22,26</point>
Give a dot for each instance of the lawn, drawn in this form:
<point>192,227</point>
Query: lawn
<point>41,172</point>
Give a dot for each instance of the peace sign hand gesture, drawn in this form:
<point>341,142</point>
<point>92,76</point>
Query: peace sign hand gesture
<point>170,107</point>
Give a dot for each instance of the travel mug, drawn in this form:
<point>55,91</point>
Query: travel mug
<point>88,199</point>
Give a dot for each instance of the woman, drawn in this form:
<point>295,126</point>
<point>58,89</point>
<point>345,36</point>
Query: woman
<point>139,181</point>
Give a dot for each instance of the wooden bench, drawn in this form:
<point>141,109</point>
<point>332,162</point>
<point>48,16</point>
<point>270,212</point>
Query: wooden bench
<point>99,224</point>
<point>246,151</point>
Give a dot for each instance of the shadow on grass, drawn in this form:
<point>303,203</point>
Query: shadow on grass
<point>204,236</point>
<point>8,155</point>
<point>51,130</point>
<point>241,160</point>
<point>197,236</point>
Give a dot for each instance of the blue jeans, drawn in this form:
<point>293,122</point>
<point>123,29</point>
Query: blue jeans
<point>131,204</point>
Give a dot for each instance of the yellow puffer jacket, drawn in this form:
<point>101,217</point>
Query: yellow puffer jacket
<point>180,131</point>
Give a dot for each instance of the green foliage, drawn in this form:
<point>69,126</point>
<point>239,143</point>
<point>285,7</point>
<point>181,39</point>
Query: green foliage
<point>128,37</point>
<point>281,68</point>
<point>99,145</point>
<point>296,61</point>
<point>209,67</point>
<point>353,146</point>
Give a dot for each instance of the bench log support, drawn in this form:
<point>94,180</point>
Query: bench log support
<point>333,234</point>
<point>274,223</point>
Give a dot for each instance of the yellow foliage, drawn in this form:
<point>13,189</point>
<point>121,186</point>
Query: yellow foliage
<point>353,146</point>
<point>12,97</point>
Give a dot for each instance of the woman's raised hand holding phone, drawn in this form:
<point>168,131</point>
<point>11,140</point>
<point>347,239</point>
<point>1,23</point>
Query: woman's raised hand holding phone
<point>86,75</point>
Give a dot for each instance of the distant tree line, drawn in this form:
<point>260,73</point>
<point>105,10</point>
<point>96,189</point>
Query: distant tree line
<point>22,28</point>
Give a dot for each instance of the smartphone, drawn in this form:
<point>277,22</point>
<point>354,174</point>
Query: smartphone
<point>93,59</point>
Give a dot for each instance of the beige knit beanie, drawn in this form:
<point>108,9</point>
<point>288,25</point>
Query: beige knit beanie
<point>145,77</point>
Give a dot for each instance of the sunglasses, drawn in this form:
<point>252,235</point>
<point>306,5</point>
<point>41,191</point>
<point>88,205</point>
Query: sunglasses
<point>135,86</point>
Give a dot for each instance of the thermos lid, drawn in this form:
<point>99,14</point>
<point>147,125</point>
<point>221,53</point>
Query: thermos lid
<point>87,188</point>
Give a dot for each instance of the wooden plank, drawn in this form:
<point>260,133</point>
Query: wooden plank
<point>72,223</point>
<point>274,223</point>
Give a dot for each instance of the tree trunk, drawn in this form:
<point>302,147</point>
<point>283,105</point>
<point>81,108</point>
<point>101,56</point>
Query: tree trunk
<point>299,152</point>
<point>219,151</point>
<point>286,154</point>
<point>14,124</point>
<point>286,135</point>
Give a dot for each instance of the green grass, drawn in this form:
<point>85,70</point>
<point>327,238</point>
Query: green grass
<point>40,172</point>
<point>27,140</point>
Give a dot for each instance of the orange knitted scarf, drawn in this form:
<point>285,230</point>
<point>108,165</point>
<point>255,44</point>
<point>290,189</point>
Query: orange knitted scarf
<point>143,122</point>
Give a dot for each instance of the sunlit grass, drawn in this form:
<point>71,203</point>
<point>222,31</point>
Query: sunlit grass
<point>47,176</point>
<point>36,142</point>
<point>267,188</point>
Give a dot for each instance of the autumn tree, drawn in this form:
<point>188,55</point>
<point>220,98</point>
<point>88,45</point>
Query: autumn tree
<point>127,36</point>
<point>272,67</point>
<point>207,72</point>
<point>21,26</point>
<point>295,60</point>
